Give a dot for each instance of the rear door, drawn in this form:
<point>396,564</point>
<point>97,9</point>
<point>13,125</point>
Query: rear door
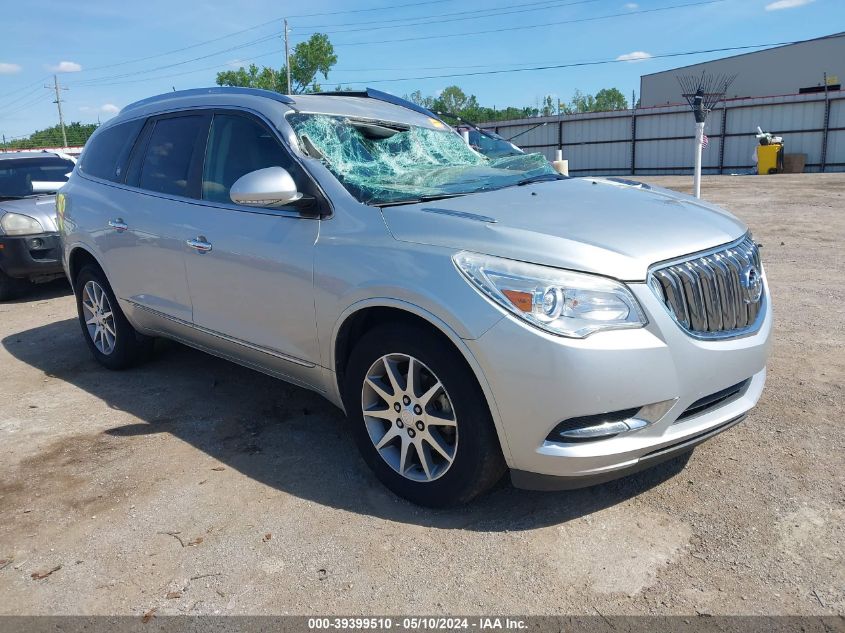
<point>148,234</point>
<point>252,287</point>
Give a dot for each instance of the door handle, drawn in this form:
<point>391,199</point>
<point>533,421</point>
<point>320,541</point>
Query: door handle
<point>200,244</point>
<point>118,225</point>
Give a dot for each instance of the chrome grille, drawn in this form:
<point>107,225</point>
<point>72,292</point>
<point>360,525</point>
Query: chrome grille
<point>716,294</point>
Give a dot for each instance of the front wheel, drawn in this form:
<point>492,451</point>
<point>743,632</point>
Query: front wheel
<point>419,417</point>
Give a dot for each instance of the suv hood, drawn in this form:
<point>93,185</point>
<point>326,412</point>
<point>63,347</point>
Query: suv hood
<point>42,208</point>
<point>613,228</point>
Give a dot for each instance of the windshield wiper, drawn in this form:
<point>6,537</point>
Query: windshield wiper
<point>540,178</point>
<point>428,198</point>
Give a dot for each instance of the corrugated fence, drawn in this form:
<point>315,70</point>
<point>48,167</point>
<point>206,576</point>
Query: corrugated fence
<point>660,140</point>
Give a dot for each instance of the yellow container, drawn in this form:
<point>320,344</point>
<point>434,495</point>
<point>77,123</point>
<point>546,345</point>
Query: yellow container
<point>769,159</point>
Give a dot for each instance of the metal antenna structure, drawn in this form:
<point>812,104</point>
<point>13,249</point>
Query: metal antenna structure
<point>702,93</point>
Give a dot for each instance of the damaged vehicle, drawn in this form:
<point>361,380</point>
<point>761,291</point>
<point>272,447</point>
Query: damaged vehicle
<point>486,142</point>
<point>472,316</point>
<point>30,251</point>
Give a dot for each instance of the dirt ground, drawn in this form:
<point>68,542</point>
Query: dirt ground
<point>191,485</point>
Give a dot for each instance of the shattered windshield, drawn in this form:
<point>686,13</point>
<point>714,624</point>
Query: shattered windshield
<point>383,162</point>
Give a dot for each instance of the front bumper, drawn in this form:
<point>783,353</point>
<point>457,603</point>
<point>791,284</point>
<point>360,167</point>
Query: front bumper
<point>538,379</point>
<point>33,257</point>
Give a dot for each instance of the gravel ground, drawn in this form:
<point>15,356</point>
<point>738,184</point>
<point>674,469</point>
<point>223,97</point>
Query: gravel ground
<point>191,485</point>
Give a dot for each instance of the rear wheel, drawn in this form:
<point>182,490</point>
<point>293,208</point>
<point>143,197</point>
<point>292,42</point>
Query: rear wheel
<point>112,340</point>
<point>419,417</point>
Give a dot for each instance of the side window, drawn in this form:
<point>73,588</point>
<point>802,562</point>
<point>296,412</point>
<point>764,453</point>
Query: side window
<point>237,145</point>
<point>169,156</point>
<point>106,154</point>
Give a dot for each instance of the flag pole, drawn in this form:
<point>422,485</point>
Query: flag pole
<point>699,145</point>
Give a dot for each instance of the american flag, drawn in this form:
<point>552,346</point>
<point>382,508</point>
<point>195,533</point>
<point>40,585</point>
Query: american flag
<point>704,141</point>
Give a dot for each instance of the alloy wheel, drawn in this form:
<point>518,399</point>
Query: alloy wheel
<point>99,317</point>
<point>409,417</point>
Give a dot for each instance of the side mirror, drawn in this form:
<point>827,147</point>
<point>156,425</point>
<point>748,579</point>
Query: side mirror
<point>268,187</point>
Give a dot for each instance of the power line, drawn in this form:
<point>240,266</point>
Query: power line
<point>428,21</point>
<point>442,16</point>
<point>575,64</point>
<point>370,10</point>
<point>99,80</point>
<point>24,106</point>
<point>516,70</point>
<point>253,28</point>
<point>94,80</point>
<point>491,13</point>
<point>531,26</point>
<point>180,74</point>
<point>22,88</point>
<point>22,97</point>
<point>179,50</point>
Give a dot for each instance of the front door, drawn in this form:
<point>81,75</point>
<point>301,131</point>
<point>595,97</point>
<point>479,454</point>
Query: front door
<point>250,272</point>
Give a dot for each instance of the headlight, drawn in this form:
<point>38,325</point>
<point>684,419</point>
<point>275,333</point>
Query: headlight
<point>558,301</point>
<point>18,224</point>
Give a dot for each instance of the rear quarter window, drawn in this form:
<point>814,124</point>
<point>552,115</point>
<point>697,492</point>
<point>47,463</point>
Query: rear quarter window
<point>106,154</point>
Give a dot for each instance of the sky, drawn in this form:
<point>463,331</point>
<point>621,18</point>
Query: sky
<point>109,54</point>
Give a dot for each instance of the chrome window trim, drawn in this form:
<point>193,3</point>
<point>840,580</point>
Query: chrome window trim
<point>285,212</point>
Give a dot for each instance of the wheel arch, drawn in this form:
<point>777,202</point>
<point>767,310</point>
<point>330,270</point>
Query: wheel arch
<point>364,315</point>
<point>77,258</point>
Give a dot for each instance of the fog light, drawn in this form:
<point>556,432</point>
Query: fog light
<point>589,428</point>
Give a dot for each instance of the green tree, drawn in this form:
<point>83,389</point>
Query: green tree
<point>610,99</point>
<point>580,102</point>
<point>253,77</point>
<point>453,99</point>
<point>549,108</point>
<point>605,99</point>
<point>309,59</point>
<point>417,97</point>
<point>77,134</point>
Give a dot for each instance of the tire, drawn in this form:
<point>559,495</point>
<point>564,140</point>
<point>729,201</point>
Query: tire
<point>10,287</point>
<point>455,416</point>
<point>116,344</point>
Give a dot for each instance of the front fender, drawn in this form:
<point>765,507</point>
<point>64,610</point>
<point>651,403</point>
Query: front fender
<point>334,393</point>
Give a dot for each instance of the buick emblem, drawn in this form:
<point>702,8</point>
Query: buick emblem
<point>752,284</point>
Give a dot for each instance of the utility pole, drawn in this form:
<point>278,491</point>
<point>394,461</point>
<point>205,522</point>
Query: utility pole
<point>287,54</point>
<point>58,103</point>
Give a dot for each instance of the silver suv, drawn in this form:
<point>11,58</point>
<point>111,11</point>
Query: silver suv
<point>470,315</point>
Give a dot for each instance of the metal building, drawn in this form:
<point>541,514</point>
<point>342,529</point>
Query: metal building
<point>659,139</point>
<point>784,70</point>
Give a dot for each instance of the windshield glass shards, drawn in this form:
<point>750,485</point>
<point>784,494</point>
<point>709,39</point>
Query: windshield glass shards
<point>383,163</point>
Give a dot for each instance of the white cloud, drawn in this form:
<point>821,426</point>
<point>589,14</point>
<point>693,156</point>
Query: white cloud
<point>632,5</point>
<point>634,56</point>
<point>106,108</point>
<point>786,4</point>
<point>65,67</point>
<point>9,69</point>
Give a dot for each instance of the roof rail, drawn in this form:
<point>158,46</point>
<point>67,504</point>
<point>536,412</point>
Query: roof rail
<point>225,90</point>
<point>372,93</point>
